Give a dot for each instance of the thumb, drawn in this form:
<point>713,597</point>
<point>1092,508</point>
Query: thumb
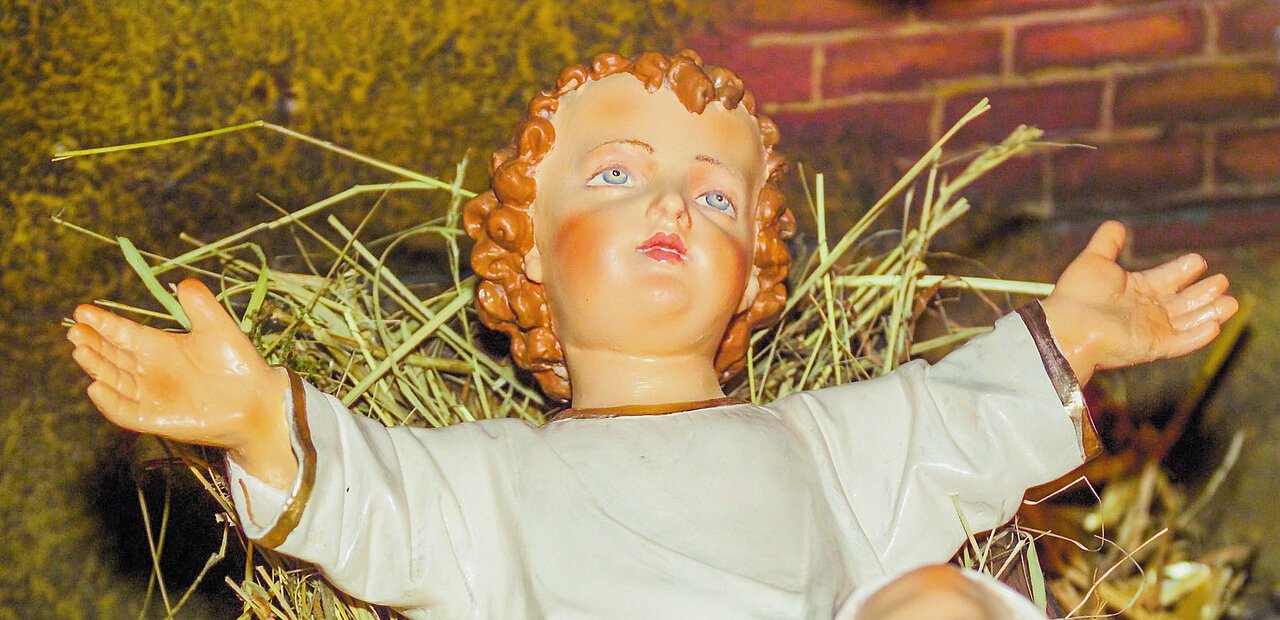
<point>202,307</point>
<point>1108,240</point>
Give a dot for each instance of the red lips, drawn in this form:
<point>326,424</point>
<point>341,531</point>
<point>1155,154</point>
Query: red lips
<point>663,247</point>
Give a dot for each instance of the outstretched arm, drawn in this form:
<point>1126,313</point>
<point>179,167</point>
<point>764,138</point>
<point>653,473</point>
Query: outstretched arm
<point>208,386</point>
<point>1103,316</point>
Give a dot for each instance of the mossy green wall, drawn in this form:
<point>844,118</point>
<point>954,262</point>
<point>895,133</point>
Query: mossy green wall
<point>414,83</point>
<point>419,84</point>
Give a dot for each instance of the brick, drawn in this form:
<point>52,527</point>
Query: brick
<point>1206,224</point>
<point>1208,93</point>
<point>1059,109</point>
<point>1249,156</point>
<point>774,73</point>
<point>814,14</point>
<point>1138,35</point>
<point>1249,26</point>
<point>1232,225</point>
<point>900,128</point>
<point>862,149</point>
<point>906,62</point>
<point>964,9</point>
<point>1132,3</point>
<point>1017,180</point>
<point>1140,171</point>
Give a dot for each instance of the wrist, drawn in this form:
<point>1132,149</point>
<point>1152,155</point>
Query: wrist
<point>1077,342</point>
<point>265,446</point>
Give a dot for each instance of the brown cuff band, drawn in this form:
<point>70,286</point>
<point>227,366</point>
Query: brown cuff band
<point>291,513</point>
<point>1063,378</point>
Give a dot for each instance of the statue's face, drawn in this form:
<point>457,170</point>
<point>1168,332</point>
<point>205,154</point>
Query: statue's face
<point>644,221</point>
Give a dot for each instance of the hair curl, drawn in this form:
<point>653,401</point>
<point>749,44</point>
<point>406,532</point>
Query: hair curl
<point>500,222</point>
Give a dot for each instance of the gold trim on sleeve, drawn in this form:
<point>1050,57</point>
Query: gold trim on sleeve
<point>291,514</point>
<point>1063,378</point>
<point>642,410</point>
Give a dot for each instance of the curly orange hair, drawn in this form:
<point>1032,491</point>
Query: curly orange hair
<point>502,226</point>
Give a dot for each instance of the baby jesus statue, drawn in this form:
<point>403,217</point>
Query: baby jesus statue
<point>633,239</point>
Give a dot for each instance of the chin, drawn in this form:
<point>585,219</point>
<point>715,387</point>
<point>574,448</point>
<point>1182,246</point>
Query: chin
<point>661,296</point>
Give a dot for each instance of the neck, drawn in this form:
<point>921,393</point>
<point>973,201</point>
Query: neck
<point>612,379</point>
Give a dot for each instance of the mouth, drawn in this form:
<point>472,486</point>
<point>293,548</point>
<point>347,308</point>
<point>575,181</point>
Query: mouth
<point>663,247</point>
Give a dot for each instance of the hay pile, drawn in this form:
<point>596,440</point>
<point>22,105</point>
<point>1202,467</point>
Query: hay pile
<point>414,355</point>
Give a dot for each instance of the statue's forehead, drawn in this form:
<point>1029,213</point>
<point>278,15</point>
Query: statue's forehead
<point>615,105</point>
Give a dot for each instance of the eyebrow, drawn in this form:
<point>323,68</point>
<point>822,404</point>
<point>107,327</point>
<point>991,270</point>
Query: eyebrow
<point>715,162</point>
<point>709,159</point>
<point>641,144</point>
<point>649,149</point>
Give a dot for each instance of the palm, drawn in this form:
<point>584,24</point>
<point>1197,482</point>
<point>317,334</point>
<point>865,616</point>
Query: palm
<point>196,387</point>
<point>1110,317</point>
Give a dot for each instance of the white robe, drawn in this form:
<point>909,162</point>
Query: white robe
<point>736,511</point>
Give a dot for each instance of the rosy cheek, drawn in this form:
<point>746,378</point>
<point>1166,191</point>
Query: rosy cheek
<point>741,266</point>
<point>731,263</point>
<point>738,265</point>
<point>736,252</point>
<point>580,247</point>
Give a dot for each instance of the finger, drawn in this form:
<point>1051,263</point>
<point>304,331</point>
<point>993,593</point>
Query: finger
<point>1192,339</point>
<point>1196,296</point>
<point>1229,306</point>
<point>105,371</point>
<point>92,363</point>
<point>119,409</point>
<point>202,307</point>
<point>1173,276</point>
<point>111,326</point>
<point>82,335</point>
<point>118,357</point>
<point>1108,240</point>
<point>1217,312</point>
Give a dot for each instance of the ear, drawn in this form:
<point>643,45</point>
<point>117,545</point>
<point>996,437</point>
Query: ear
<point>751,291</point>
<point>533,264</point>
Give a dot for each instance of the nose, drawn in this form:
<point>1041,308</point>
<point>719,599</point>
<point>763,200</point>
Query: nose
<point>671,207</point>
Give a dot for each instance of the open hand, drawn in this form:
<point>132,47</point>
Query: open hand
<point>1105,317</point>
<point>208,386</point>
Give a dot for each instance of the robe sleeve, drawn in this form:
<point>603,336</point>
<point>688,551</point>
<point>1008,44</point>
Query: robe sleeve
<point>903,456</point>
<point>380,511</point>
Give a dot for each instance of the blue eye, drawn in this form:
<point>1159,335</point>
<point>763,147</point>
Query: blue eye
<point>717,201</point>
<point>613,176</point>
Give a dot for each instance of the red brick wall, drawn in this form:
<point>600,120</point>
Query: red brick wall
<point>1181,97</point>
